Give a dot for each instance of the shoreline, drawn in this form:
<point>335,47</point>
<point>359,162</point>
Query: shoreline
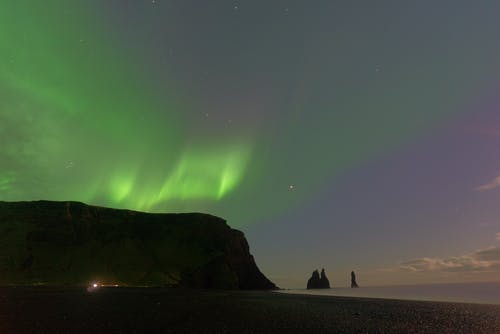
<point>475,293</point>
<point>294,293</point>
<point>167,310</point>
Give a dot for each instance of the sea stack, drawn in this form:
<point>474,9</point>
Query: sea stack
<point>318,281</point>
<point>354,284</point>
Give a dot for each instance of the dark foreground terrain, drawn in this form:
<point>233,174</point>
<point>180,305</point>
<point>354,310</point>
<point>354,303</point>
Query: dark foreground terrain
<point>133,310</point>
<point>72,243</point>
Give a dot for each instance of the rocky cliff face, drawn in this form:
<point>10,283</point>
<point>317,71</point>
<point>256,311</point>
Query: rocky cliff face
<point>72,243</point>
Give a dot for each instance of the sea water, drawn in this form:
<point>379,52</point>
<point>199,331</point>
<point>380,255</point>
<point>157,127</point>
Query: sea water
<point>482,293</point>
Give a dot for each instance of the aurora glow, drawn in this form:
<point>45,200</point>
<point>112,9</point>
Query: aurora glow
<point>75,119</point>
<point>319,128</point>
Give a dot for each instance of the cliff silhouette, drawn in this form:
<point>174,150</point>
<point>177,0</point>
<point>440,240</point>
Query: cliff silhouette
<point>71,243</point>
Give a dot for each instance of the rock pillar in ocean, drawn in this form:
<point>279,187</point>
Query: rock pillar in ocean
<point>318,281</point>
<point>324,282</point>
<point>354,284</point>
<point>313,281</point>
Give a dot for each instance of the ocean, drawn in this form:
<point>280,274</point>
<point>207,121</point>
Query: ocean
<point>481,293</point>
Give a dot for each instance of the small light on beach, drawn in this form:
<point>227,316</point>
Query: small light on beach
<point>93,287</point>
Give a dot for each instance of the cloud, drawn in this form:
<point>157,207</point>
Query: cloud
<point>498,236</point>
<point>495,183</point>
<point>479,261</point>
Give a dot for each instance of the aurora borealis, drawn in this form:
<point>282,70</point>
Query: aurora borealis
<point>318,128</point>
<point>77,119</point>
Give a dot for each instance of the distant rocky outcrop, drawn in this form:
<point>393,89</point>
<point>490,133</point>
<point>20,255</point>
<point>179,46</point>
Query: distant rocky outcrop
<point>354,284</point>
<point>318,281</point>
<point>71,243</point>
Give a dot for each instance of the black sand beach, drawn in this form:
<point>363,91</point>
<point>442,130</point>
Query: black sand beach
<point>133,310</point>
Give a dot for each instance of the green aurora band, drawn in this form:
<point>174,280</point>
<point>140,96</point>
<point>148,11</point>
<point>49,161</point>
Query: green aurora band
<point>81,119</point>
<point>75,119</point>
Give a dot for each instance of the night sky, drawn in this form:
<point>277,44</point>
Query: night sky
<point>350,135</point>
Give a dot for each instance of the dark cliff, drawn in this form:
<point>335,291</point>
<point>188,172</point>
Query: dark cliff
<point>71,243</point>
